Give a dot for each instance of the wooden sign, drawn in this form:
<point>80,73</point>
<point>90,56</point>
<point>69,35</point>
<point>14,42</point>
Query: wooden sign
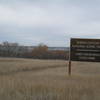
<point>85,50</point>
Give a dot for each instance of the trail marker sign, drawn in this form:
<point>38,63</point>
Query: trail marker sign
<point>84,50</point>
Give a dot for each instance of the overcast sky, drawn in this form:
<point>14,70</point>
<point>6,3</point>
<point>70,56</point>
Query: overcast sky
<point>52,22</point>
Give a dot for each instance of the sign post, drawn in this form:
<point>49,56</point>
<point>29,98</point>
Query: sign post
<point>69,65</point>
<point>69,68</point>
<point>84,50</point>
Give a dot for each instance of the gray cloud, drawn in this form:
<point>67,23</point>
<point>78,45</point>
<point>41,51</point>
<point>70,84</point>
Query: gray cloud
<point>50,21</point>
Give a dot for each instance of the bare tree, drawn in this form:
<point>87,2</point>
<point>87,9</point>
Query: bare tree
<point>8,49</point>
<point>40,51</point>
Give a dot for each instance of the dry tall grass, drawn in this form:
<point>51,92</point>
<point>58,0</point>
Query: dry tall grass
<point>25,79</point>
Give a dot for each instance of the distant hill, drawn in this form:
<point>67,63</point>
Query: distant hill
<point>50,48</point>
<point>59,48</point>
<point>22,49</point>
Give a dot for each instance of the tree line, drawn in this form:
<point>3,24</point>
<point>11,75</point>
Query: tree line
<point>39,52</point>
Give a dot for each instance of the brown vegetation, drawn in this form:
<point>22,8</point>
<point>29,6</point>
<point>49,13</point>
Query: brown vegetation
<point>24,79</point>
<point>42,52</point>
<point>39,52</point>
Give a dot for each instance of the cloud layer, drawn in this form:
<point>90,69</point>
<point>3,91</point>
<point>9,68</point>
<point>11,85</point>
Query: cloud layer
<point>52,22</point>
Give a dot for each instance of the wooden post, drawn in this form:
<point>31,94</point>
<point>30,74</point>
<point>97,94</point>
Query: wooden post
<point>69,65</point>
<point>69,68</point>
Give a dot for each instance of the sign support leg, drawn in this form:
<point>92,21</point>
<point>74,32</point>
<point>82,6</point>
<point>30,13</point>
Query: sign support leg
<point>69,68</point>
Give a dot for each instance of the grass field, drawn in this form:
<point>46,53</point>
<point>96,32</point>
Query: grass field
<point>27,79</point>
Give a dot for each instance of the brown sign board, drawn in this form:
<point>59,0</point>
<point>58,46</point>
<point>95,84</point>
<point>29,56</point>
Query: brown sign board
<point>85,50</point>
